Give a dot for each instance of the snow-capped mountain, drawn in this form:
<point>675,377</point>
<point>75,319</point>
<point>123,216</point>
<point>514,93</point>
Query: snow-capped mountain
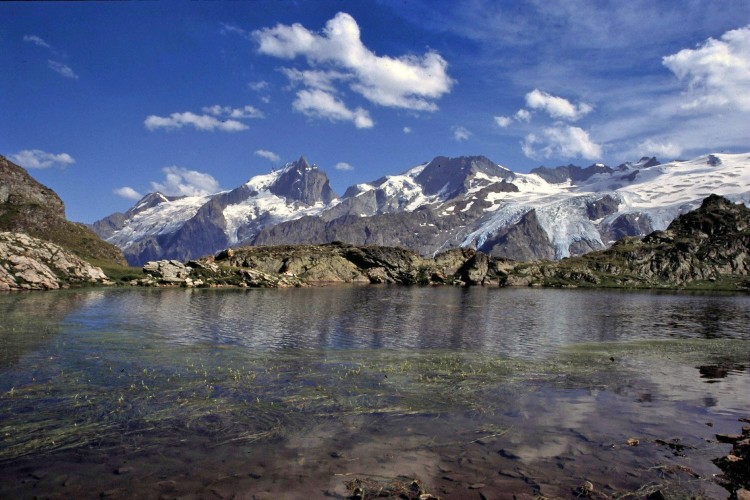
<point>159,226</point>
<point>442,204</point>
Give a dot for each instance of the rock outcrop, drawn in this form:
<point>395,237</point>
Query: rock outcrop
<point>27,206</point>
<point>28,263</point>
<point>707,247</point>
<point>304,265</point>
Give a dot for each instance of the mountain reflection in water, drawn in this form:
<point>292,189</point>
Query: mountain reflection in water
<point>298,392</point>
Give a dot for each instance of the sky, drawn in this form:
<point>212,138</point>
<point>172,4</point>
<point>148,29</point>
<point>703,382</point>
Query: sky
<point>106,101</point>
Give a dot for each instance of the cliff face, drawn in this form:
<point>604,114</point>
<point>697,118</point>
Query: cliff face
<point>27,206</point>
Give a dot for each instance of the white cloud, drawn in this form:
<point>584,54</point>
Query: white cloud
<point>62,69</point>
<point>258,86</point>
<point>243,113</point>
<point>36,158</point>
<point>461,133</point>
<point>200,122</point>
<point>561,141</point>
<point>665,150</point>
<point>36,41</point>
<point>128,193</point>
<point>343,166</point>
<point>268,155</point>
<point>523,115</point>
<point>323,80</point>
<point>503,121</point>
<point>409,82</point>
<point>717,72</point>
<point>556,107</point>
<point>180,181</point>
<point>318,103</point>
<point>407,130</point>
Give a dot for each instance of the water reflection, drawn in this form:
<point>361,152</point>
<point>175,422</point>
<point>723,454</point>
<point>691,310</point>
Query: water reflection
<point>521,322</point>
<point>518,323</point>
<point>439,382</point>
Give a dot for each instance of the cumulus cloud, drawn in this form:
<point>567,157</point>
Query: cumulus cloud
<point>36,158</point>
<point>503,121</point>
<point>523,115</point>
<point>62,69</point>
<point>717,72</point>
<point>199,122</point>
<point>408,82</point>
<point>36,41</point>
<point>407,130</point>
<point>557,107</point>
<point>561,141</point>
<point>322,104</point>
<point>243,113</point>
<point>343,166</point>
<point>180,181</point>
<point>128,193</point>
<point>666,150</point>
<point>461,133</point>
<point>268,155</point>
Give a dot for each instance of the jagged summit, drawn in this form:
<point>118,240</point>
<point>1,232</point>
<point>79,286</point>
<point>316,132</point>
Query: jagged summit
<point>299,181</point>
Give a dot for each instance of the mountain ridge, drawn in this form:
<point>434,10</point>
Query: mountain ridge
<point>441,204</point>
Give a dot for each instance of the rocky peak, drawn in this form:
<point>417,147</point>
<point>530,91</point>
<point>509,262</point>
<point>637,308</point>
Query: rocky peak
<point>150,201</point>
<point>716,215</point>
<point>644,162</point>
<point>299,181</point>
<point>573,173</point>
<point>452,176</point>
<point>18,188</point>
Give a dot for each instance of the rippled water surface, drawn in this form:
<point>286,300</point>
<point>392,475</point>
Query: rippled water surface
<point>297,393</point>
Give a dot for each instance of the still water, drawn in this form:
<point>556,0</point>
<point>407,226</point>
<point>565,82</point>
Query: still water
<point>309,393</point>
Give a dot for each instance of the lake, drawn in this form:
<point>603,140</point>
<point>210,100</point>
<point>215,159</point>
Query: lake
<point>311,393</point>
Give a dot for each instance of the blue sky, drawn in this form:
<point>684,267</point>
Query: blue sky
<point>104,102</point>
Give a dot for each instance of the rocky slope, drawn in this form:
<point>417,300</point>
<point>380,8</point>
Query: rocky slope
<point>27,206</point>
<point>467,202</point>
<point>28,263</point>
<point>706,248</point>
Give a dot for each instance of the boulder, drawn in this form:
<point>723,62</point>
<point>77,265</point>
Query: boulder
<point>168,271</point>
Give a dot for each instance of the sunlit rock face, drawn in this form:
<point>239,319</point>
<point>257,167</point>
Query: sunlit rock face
<point>28,263</point>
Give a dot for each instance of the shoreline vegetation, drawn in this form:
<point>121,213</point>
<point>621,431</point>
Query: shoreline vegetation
<point>706,249</point>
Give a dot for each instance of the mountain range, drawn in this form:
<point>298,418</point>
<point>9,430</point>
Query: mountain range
<point>549,213</point>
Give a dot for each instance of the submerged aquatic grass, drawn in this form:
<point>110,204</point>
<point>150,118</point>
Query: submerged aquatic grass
<point>228,395</point>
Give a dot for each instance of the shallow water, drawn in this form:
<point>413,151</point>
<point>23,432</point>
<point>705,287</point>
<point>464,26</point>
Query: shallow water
<point>294,393</point>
